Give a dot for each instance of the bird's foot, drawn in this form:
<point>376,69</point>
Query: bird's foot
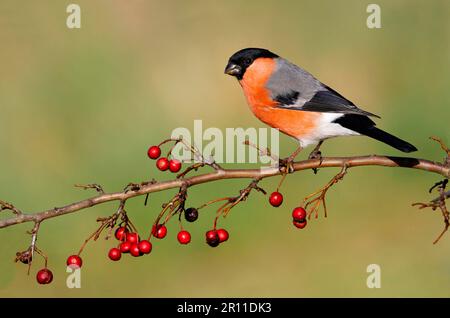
<point>286,165</point>
<point>315,154</point>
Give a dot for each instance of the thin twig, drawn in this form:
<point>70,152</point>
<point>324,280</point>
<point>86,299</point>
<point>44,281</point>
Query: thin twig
<point>94,186</point>
<point>444,148</point>
<point>440,203</point>
<point>317,198</point>
<point>8,206</point>
<point>262,152</point>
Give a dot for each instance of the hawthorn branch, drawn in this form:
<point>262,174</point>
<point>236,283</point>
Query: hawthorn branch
<point>317,198</point>
<point>256,174</point>
<point>440,203</point>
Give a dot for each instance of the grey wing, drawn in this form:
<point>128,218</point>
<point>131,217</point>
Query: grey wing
<point>296,89</point>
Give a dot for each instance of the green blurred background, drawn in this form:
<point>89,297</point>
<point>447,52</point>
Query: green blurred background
<point>82,106</point>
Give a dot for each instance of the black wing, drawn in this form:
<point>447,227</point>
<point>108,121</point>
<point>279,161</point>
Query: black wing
<point>327,100</point>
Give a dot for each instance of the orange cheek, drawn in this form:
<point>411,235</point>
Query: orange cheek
<point>254,83</point>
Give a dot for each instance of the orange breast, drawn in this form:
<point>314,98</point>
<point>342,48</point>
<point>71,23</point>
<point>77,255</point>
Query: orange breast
<point>294,123</point>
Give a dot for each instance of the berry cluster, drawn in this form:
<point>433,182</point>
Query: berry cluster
<point>130,242</point>
<point>299,217</point>
<point>215,237</point>
<point>163,163</point>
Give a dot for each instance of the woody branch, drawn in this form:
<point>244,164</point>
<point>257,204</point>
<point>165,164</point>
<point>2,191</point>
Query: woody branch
<point>220,174</point>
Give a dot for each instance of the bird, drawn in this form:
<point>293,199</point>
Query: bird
<point>290,99</point>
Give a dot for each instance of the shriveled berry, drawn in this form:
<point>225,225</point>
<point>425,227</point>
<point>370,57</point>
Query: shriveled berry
<point>24,257</point>
<point>276,198</point>
<point>114,254</point>
<point>184,237</point>
<point>44,276</point>
<point>175,165</point>
<point>154,152</point>
<point>223,235</point>
<point>299,213</point>
<point>212,238</point>
<point>162,164</point>
<point>191,214</point>
<point>145,247</point>
<point>74,260</point>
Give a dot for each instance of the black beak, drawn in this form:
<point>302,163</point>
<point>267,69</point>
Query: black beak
<point>233,69</point>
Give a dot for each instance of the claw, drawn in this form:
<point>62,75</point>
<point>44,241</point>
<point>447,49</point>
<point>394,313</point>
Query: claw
<point>286,165</point>
<point>290,167</point>
<point>316,154</point>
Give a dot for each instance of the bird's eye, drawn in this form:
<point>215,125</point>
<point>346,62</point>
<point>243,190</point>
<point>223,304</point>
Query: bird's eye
<point>247,61</point>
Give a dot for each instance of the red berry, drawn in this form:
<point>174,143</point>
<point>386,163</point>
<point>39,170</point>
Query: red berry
<point>223,235</point>
<point>299,224</point>
<point>44,276</point>
<point>162,164</point>
<point>121,233</point>
<point>299,214</point>
<point>74,260</point>
<point>184,237</point>
<point>160,231</point>
<point>125,247</point>
<point>174,165</point>
<point>132,237</point>
<point>145,247</point>
<point>134,250</point>
<point>276,198</point>
<point>212,238</point>
<point>114,254</point>
<point>154,152</point>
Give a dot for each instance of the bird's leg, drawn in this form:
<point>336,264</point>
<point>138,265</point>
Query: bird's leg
<point>316,154</point>
<point>286,164</point>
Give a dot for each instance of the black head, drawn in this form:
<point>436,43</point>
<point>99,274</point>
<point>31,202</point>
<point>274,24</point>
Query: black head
<point>239,61</point>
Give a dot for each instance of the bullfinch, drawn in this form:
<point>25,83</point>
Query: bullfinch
<point>287,97</point>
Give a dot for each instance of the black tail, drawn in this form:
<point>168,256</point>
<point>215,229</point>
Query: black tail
<point>366,126</point>
<point>389,139</point>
